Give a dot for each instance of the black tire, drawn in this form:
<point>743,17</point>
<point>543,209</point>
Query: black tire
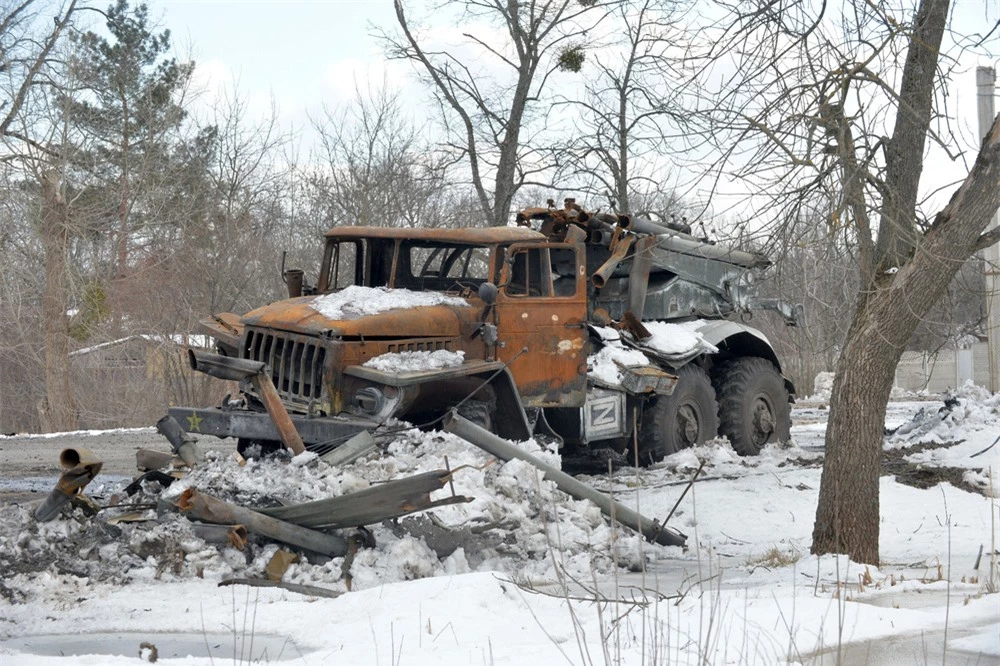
<point>479,412</point>
<point>753,405</point>
<point>686,417</point>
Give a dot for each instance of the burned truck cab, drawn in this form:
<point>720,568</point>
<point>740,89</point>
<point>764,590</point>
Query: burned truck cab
<point>383,292</point>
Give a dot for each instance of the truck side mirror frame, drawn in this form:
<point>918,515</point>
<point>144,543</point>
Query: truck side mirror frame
<point>488,293</point>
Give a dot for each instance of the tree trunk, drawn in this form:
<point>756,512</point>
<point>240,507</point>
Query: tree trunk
<point>59,412</point>
<point>847,518</point>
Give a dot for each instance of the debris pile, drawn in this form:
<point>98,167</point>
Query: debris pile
<point>353,525</point>
<point>969,407</point>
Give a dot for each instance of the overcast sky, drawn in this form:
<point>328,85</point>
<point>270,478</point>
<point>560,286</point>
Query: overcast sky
<point>308,52</point>
<point>304,52</point>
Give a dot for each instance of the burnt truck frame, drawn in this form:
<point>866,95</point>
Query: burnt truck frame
<point>523,305</point>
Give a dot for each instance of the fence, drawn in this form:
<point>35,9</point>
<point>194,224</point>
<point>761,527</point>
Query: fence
<point>945,369</point>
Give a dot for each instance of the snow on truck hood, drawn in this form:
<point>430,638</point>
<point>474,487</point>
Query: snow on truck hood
<point>367,311</point>
<point>354,302</point>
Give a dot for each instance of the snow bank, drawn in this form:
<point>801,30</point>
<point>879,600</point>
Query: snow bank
<point>822,387</point>
<point>415,361</point>
<point>358,301</point>
<point>969,409</point>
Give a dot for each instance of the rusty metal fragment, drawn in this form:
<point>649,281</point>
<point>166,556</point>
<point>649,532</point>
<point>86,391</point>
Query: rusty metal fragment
<point>234,536</point>
<point>200,506</point>
<point>80,466</point>
<point>279,563</point>
<point>640,379</point>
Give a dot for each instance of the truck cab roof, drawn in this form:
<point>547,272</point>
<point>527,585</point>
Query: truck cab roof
<point>471,236</point>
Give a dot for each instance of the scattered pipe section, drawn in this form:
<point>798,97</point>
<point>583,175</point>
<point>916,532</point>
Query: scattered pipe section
<point>70,458</point>
<point>234,536</point>
<point>206,508</point>
<point>183,444</point>
<point>80,467</point>
<point>504,450</point>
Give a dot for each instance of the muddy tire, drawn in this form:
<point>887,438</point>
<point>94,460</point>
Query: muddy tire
<point>686,417</point>
<point>479,412</point>
<point>753,405</point>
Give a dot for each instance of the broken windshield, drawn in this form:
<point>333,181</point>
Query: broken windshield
<point>419,265</point>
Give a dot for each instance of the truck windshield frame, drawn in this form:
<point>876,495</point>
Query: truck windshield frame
<point>415,264</point>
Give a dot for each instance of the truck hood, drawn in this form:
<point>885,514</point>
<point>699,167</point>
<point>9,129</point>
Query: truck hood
<point>297,315</point>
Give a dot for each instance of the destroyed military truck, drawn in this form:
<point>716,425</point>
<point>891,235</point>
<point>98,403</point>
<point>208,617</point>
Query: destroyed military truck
<point>508,325</point>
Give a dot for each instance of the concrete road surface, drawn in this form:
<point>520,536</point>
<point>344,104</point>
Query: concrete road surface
<point>29,464</point>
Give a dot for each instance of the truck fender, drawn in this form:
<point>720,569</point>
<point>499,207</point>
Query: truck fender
<point>741,340</point>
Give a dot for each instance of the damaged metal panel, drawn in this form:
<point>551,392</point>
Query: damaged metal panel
<point>372,505</point>
<point>258,425</point>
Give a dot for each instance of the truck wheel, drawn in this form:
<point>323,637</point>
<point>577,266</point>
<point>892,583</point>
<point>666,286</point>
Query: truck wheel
<point>686,417</point>
<point>479,412</point>
<point>753,405</point>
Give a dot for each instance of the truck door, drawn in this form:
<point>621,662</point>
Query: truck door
<point>542,306</point>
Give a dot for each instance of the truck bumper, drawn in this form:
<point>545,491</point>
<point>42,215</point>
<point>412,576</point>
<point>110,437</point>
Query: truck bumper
<point>327,430</point>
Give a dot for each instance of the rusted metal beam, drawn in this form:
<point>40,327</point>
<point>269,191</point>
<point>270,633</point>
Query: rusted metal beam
<point>259,374</point>
<point>272,403</point>
<point>504,450</point>
<point>206,508</point>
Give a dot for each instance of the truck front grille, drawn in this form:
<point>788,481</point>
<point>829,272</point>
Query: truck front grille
<point>296,363</point>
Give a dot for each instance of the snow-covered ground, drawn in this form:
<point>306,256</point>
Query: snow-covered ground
<point>523,574</point>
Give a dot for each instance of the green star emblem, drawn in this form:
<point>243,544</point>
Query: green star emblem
<point>194,422</point>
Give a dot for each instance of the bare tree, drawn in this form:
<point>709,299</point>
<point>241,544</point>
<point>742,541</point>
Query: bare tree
<point>632,111</point>
<point>818,106</point>
<point>32,146</point>
<point>233,237</point>
<point>487,93</point>
<point>377,169</point>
